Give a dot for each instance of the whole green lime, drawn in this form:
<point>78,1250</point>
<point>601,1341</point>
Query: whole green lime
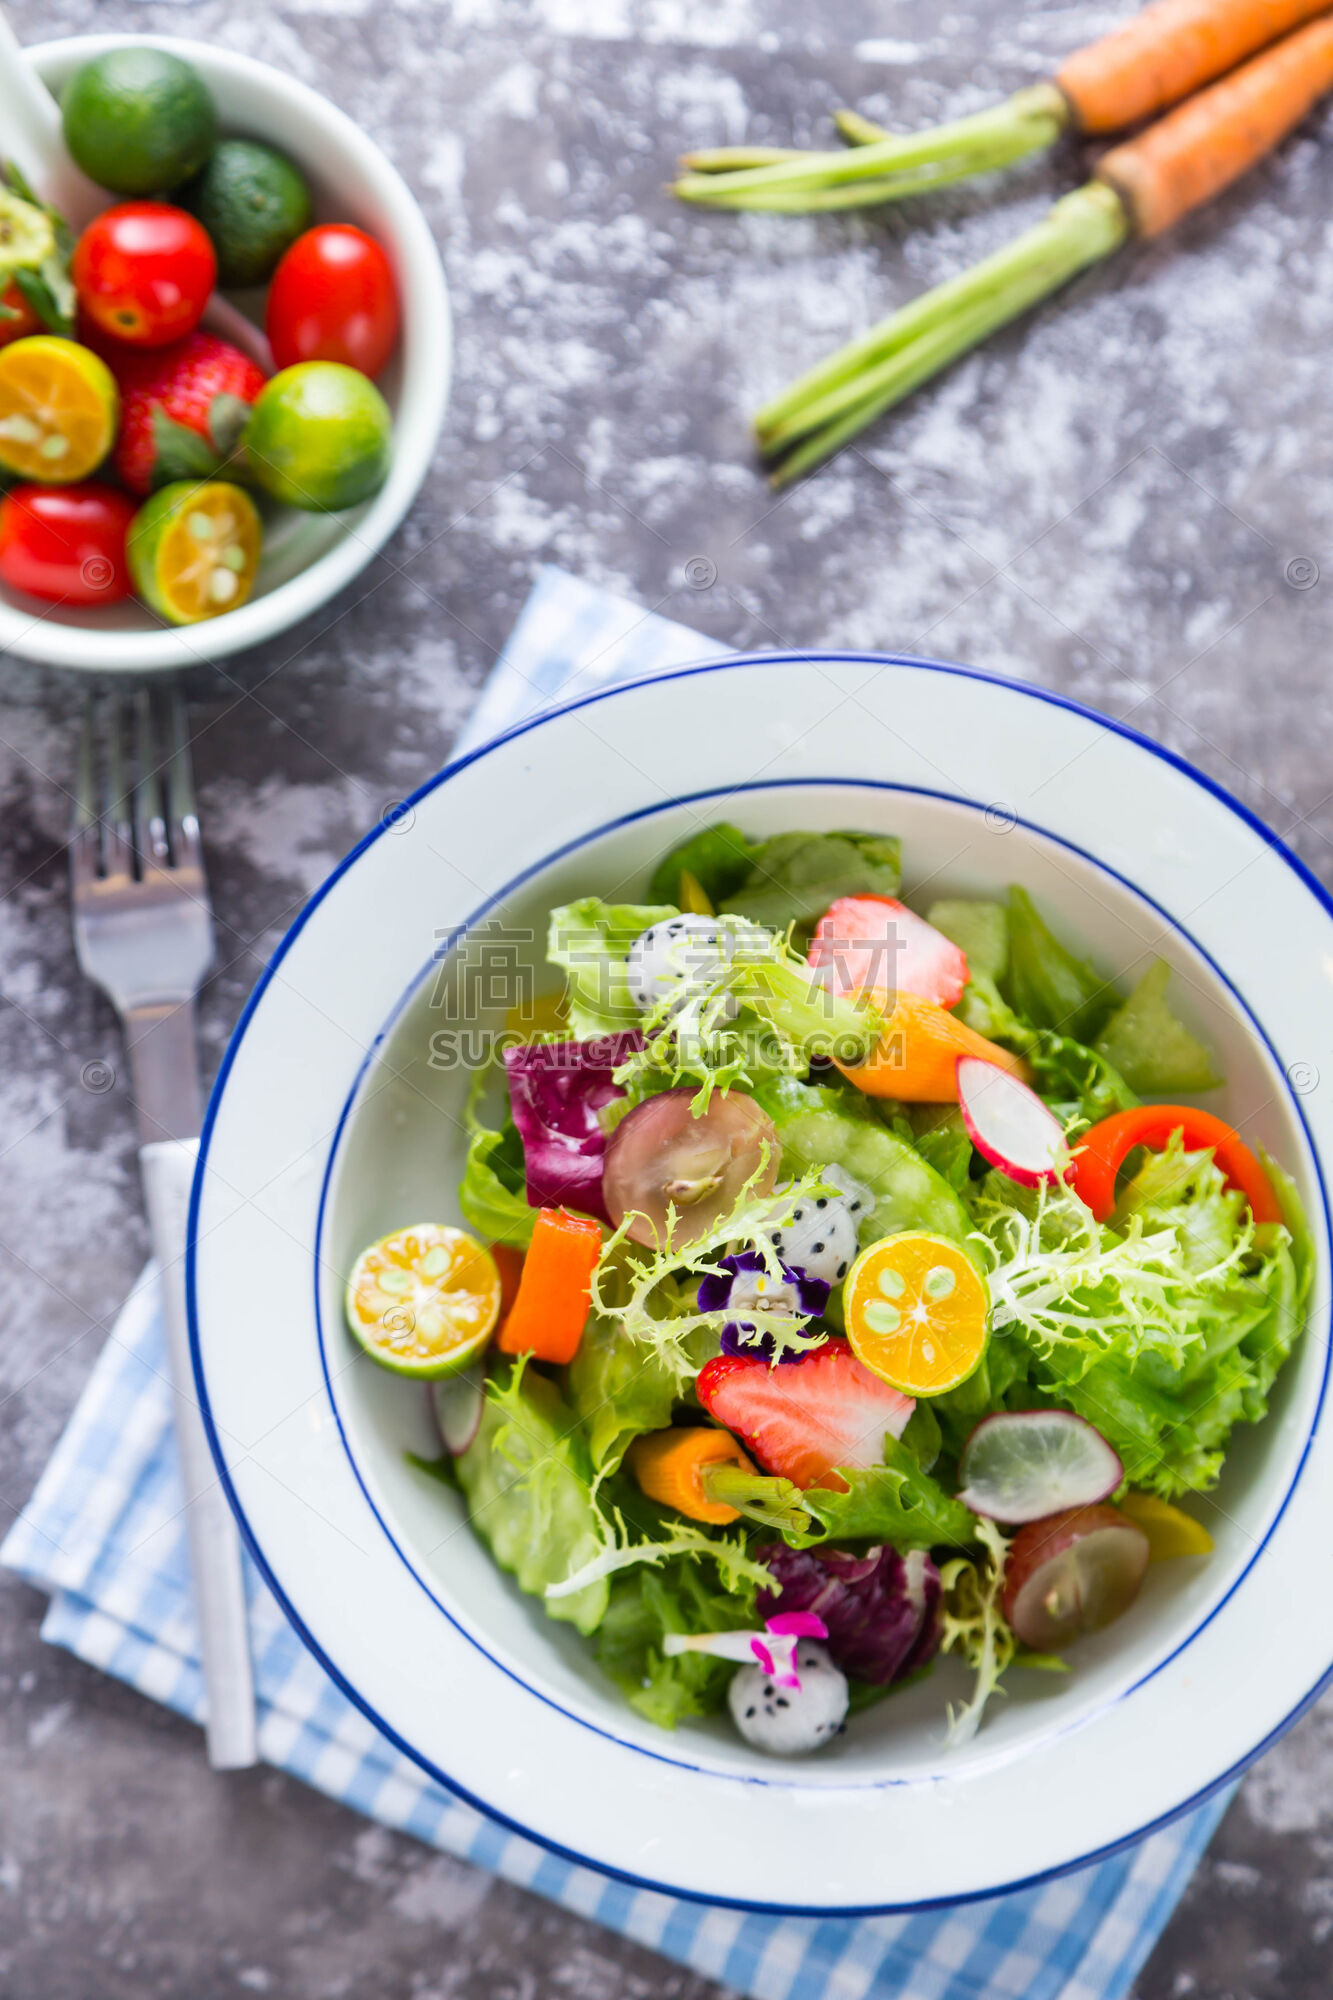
<point>138,120</point>
<point>253,202</point>
<point>320,437</point>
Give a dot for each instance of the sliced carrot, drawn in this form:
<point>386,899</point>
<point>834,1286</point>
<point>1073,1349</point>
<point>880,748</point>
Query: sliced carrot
<point>670,1467</point>
<point>509,1263</point>
<point>1201,148</point>
<point>916,1058</point>
<point>550,1309</point>
<point>1166,52</point>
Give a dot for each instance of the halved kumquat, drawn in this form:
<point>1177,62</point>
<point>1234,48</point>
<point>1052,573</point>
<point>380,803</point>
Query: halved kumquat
<point>424,1301</point>
<point>917,1312</point>
<point>59,407</point>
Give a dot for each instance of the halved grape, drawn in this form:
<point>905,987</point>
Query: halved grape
<point>660,1155</point>
<point>1072,1573</point>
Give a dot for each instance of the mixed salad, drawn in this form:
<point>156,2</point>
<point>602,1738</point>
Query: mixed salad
<point>106,370</point>
<point>843,1285</point>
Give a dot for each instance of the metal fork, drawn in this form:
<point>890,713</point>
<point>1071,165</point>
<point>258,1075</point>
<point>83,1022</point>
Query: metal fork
<point>143,931</point>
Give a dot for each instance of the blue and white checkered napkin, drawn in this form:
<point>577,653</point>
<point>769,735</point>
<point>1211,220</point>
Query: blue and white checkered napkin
<point>103,1535</point>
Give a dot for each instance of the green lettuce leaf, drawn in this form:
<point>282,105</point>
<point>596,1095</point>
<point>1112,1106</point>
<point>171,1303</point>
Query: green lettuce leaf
<point>620,1387</point>
<point>942,1139</point>
<point>1152,1049</point>
<point>685,1596</point>
<point>1045,984</point>
<point>590,941</point>
<point>823,1126</point>
<point>895,1502</point>
<point>794,877</point>
<point>528,1483</point>
<point>981,932</point>
<point>719,858</point>
<point>490,1202</point>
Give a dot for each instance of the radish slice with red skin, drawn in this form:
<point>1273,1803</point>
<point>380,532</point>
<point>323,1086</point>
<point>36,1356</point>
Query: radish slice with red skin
<point>1008,1123</point>
<point>1021,1465</point>
<point>458,1402</point>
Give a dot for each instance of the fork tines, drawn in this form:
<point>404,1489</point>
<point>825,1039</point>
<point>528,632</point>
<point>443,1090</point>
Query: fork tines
<point>134,796</point>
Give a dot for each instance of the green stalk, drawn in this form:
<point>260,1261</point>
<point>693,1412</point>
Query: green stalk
<point>834,401</point>
<point>1026,123</point>
<point>859,131</point>
<point>730,159</point>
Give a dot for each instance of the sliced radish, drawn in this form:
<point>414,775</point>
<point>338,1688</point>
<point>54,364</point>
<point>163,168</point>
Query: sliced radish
<point>1021,1465</point>
<point>458,1401</point>
<point>1008,1123</point>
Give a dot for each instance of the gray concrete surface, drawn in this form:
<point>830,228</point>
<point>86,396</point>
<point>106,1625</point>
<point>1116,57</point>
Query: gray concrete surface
<point>1106,502</point>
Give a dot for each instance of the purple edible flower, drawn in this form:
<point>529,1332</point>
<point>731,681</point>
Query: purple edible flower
<point>556,1090</point>
<point>737,1282</point>
<point>881,1609</point>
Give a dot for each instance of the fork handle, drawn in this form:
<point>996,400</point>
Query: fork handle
<point>168,1167</point>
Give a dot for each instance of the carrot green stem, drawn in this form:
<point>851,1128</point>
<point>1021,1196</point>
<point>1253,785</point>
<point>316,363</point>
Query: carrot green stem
<point>894,164</point>
<point>730,159</point>
<point>859,131</point>
<point>831,403</point>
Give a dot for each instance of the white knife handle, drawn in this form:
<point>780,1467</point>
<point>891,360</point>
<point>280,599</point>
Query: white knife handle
<point>215,1549</point>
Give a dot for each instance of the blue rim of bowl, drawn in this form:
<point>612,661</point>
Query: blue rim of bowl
<point>809,657</point>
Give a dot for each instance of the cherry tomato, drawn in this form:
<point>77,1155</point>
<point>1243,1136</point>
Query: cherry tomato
<point>333,298</point>
<point>66,543</point>
<point>27,321</point>
<point>143,272</point>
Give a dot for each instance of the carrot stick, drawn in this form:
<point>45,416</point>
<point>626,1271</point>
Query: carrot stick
<point>1188,157</point>
<point>1166,52</point>
<point>550,1309</point>
<point>672,1467</point>
<point>1140,188</point>
<point>915,1059</point>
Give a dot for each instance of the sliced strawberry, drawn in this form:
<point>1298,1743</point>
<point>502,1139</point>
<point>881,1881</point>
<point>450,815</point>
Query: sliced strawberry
<point>864,942</point>
<point>802,1419</point>
<point>183,407</point>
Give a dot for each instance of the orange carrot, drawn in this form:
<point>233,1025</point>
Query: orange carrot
<point>550,1309</point>
<point>1199,149</point>
<point>916,1056</point>
<point>1166,52</point>
<point>509,1263</point>
<point>670,1466</point>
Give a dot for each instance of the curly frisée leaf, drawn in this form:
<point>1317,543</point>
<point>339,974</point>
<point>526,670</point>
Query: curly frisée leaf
<point>618,1552</point>
<point>975,1627</point>
<point>758,1013</point>
<point>1065,1282</point>
<point>643,1289</point>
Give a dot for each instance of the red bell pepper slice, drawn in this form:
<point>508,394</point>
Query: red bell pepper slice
<point>1101,1151</point>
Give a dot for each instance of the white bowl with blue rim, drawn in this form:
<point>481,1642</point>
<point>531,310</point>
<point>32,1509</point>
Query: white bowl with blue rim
<point>330,1124</point>
<point>307,558</point>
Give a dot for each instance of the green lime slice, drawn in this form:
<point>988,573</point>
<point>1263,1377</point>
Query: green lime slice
<point>424,1300</point>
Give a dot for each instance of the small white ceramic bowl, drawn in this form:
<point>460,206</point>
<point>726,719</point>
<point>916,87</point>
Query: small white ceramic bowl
<point>339,1115</point>
<point>307,558</point>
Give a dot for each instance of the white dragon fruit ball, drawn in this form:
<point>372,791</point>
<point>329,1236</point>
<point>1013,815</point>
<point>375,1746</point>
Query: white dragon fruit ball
<point>820,1237</point>
<point>679,953</point>
<point>785,1721</point>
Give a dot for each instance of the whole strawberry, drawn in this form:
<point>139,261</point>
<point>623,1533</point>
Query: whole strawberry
<point>183,408</point>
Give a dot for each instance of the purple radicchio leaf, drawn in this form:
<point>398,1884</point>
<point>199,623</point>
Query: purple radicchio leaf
<point>556,1090</point>
<point>881,1609</point>
<point>733,1282</point>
